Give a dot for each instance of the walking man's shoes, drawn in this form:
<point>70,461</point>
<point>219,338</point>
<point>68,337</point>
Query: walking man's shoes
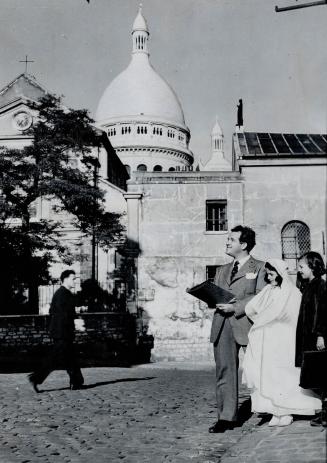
<point>33,382</point>
<point>222,426</point>
<point>76,387</point>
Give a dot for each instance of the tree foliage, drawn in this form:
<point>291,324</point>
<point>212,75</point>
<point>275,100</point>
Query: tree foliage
<point>60,164</point>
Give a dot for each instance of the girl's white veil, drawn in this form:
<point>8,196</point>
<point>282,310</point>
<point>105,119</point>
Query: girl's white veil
<point>274,302</point>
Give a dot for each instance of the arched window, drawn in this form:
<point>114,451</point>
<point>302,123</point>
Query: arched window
<point>171,169</point>
<point>296,241</point>
<point>142,168</point>
<point>157,168</point>
<point>128,168</point>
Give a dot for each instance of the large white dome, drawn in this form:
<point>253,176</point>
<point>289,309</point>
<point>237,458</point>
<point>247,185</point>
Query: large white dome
<point>140,91</point>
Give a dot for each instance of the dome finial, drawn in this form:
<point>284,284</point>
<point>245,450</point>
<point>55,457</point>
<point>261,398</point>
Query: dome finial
<point>140,22</point>
<point>216,130</point>
<point>140,33</point>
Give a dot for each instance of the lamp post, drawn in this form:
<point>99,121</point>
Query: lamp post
<point>96,164</point>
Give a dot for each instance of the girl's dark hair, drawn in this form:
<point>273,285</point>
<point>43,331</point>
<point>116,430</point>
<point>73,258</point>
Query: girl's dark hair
<point>279,279</point>
<point>315,262</point>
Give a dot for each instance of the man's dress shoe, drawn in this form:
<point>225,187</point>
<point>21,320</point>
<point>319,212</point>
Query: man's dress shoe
<point>77,387</point>
<point>222,426</point>
<point>34,384</point>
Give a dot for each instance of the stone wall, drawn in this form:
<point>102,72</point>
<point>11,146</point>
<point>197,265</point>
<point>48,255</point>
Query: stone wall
<point>108,338</point>
<point>275,194</point>
<point>175,249</point>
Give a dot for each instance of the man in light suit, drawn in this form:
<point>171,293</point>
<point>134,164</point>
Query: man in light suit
<point>244,277</point>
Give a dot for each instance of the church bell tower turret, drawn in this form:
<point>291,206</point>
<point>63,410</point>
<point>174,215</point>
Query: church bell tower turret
<point>140,33</point>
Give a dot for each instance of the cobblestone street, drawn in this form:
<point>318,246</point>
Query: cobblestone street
<point>151,413</point>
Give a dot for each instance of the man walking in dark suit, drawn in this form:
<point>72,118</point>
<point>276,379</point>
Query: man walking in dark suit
<point>244,278</point>
<point>62,331</point>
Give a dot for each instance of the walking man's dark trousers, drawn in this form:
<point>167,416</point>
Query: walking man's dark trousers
<point>230,332</point>
<point>62,331</point>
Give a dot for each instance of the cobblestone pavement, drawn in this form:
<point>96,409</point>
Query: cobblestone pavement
<point>152,413</point>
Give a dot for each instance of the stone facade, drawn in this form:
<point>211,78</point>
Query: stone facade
<point>277,192</point>
<point>167,216</point>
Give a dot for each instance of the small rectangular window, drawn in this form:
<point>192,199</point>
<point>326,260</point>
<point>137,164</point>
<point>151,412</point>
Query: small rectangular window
<point>216,215</point>
<point>211,271</point>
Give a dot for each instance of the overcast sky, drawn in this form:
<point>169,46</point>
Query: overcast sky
<point>212,52</point>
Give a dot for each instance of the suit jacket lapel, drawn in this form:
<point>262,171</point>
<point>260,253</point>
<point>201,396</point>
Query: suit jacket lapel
<point>248,267</point>
<point>226,273</point>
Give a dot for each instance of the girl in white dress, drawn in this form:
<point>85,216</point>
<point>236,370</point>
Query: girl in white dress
<point>268,367</point>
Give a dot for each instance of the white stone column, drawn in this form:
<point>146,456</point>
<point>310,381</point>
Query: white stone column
<point>133,201</point>
<point>103,159</point>
<point>133,246</point>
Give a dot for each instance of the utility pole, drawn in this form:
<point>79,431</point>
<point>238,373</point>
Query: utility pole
<point>301,5</point>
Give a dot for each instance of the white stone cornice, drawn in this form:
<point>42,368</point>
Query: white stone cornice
<point>185,177</point>
<point>133,195</point>
<point>141,119</point>
<point>174,153</point>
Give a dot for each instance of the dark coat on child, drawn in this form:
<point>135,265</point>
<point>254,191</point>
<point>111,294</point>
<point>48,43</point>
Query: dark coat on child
<point>312,321</point>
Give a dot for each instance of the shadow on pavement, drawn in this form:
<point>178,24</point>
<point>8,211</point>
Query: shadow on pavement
<point>244,412</point>
<point>102,383</point>
<point>264,418</point>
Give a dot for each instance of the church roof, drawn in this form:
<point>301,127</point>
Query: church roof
<point>24,86</point>
<point>255,144</point>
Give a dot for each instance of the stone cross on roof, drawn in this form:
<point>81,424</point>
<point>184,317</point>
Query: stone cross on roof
<point>26,61</point>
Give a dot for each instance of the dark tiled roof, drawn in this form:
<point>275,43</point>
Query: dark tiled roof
<point>254,144</point>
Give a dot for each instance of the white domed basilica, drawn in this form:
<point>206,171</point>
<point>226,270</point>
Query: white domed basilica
<point>142,115</point>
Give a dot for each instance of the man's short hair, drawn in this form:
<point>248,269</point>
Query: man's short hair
<point>65,274</point>
<point>247,236</point>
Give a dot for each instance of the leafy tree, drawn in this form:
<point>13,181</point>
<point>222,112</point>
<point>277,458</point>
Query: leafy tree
<point>60,165</point>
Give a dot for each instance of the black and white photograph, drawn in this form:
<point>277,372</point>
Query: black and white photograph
<point>163,228</point>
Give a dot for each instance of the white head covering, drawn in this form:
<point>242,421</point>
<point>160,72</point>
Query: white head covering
<point>274,302</point>
<point>281,268</point>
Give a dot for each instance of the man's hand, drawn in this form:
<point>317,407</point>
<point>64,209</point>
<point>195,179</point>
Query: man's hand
<point>79,324</point>
<point>320,343</point>
<point>226,308</point>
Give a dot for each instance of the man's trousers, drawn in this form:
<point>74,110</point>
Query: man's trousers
<point>62,355</point>
<point>226,352</point>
